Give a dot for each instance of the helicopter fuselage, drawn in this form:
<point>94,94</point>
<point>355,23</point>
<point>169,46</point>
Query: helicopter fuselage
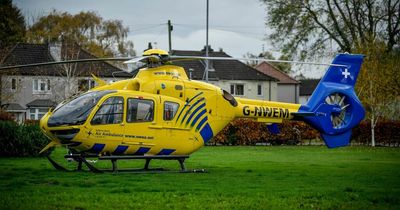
<point>159,112</point>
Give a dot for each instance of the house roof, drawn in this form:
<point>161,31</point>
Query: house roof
<point>41,103</point>
<point>308,86</point>
<point>272,71</point>
<point>224,69</point>
<point>13,107</point>
<point>24,53</point>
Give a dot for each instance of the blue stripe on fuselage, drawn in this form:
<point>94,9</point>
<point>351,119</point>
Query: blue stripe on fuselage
<point>120,150</point>
<point>188,111</point>
<point>206,133</point>
<point>166,151</point>
<point>97,148</point>
<point>201,123</point>
<point>142,151</point>
<point>198,117</point>
<point>195,112</point>
<point>187,104</point>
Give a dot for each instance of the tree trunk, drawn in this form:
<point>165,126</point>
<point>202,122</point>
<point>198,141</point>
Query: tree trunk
<point>372,131</point>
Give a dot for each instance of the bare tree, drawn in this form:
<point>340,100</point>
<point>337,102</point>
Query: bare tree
<point>307,27</point>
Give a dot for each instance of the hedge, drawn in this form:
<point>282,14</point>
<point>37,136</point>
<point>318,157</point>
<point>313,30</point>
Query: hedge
<point>248,132</point>
<point>386,133</point>
<point>21,140</point>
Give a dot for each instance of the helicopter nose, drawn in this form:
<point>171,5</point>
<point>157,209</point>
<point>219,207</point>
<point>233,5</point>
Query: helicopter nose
<point>62,136</point>
<point>65,136</point>
<point>43,126</point>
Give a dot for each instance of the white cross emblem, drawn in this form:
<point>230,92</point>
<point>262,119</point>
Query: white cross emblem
<point>346,73</point>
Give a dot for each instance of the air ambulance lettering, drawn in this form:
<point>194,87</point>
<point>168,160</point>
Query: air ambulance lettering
<point>264,111</point>
<point>99,133</point>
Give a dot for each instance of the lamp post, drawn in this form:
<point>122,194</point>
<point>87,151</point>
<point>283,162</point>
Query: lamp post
<point>207,61</point>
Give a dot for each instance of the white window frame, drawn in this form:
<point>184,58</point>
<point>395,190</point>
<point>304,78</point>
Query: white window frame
<point>235,89</point>
<point>36,112</point>
<point>39,82</point>
<point>262,91</point>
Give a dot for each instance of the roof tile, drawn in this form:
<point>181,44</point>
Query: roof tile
<point>24,53</point>
<point>272,71</point>
<point>224,69</point>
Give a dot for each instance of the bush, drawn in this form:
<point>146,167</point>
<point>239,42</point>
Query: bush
<point>248,132</point>
<point>386,133</point>
<point>32,122</point>
<point>5,116</point>
<point>21,140</point>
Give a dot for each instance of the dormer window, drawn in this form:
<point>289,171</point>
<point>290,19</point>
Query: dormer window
<point>41,86</point>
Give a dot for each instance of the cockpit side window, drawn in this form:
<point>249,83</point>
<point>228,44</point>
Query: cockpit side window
<point>170,109</point>
<point>110,112</point>
<point>76,111</point>
<point>140,110</point>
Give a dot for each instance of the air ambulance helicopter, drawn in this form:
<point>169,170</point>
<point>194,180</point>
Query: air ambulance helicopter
<point>162,114</point>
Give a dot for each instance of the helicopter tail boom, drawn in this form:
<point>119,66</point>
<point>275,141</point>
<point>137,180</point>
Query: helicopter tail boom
<point>333,108</point>
<point>334,102</point>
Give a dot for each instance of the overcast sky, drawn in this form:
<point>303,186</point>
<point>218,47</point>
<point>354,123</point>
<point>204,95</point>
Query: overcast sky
<point>236,26</point>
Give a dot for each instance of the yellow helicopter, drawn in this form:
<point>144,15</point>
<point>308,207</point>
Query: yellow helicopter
<point>162,114</point>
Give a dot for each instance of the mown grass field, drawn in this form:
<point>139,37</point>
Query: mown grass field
<point>309,177</point>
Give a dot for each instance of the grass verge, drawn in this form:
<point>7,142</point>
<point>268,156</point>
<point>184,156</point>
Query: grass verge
<point>238,178</point>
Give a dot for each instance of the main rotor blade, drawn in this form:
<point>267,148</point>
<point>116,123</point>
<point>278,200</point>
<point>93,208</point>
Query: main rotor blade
<point>67,61</point>
<point>129,60</point>
<point>140,58</point>
<point>178,57</point>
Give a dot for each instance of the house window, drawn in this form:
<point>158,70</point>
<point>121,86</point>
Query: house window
<point>110,112</point>
<point>140,110</point>
<point>41,85</point>
<point>37,113</point>
<point>13,84</point>
<point>259,90</point>
<point>170,109</point>
<point>86,84</point>
<point>237,89</point>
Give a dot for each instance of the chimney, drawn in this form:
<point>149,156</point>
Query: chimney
<point>55,50</point>
<point>209,49</point>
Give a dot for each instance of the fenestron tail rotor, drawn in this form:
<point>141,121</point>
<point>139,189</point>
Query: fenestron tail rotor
<point>340,116</point>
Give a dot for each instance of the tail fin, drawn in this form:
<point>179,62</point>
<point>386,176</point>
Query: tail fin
<point>336,108</point>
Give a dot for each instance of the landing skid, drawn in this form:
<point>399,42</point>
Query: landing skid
<point>81,159</point>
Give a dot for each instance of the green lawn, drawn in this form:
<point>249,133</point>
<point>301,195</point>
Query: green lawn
<point>238,178</point>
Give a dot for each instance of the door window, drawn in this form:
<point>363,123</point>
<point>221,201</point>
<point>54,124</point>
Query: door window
<point>140,110</point>
<point>170,109</point>
<point>110,112</point>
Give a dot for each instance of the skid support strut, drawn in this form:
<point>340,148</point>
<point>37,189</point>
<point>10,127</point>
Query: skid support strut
<point>82,160</point>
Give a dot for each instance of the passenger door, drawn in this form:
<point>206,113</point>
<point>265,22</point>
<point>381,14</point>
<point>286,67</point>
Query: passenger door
<point>107,125</point>
<point>139,120</point>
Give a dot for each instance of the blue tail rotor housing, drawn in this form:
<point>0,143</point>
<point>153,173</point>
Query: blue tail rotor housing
<point>334,103</point>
